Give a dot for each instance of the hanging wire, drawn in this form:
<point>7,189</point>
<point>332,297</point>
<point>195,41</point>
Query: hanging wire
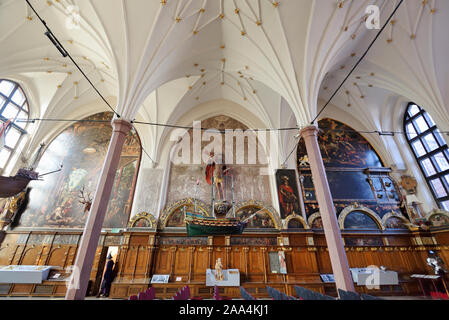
<point>358,62</point>
<point>65,54</point>
<point>380,133</point>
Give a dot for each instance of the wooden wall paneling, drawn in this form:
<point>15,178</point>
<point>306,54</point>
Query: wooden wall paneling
<point>263,253</point>
<point>172,260</point>
<point>134,262</point>
<point>163,261</point>
<point>200,263</point>
<point>324,260</point>
<point>57,256</point>
<point>255,265</point>
<point>191,251</point>
<point>30,255</point>
<point>181,265</point>
<point>129,263</point>
<point>246,262</point>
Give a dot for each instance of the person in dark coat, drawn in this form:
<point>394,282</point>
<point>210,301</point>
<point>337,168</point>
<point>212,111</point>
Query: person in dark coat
<point>107,278</point>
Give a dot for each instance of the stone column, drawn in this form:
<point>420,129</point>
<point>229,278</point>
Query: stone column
<point>339,262</point>
<point>94,223</point>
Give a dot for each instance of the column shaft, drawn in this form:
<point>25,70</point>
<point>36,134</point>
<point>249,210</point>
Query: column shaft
<point>332,232</point>
<point>94,223</point>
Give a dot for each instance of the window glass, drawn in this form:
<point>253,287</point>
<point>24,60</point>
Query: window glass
<point>421,124</point>
<point>411,132</point>
<point>6,87</point>
<point>445,205</point>
<point>441,162</point>
<point>18,98</point>
<point>431,149</point>
<point>12,99</point>
<point>428,167</point>
<point>414,109</point>
<point>419,149</point>
<point>438,188</point>
<point>12,137</point>
<point>431,143</point>
<point>10,111</point>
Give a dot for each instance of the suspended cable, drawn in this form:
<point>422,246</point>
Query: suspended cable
<point>380,133</point>
<point>65,54</point>
<point>359,61</point>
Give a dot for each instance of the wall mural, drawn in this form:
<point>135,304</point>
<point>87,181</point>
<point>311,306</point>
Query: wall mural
<point>260,220</point>
<point>359,220</point>
<point>395,223</point>
<point>354,170</point>
<point>248,182</point>
<point>342,147</point>
<point>81,148</point>
<point>287,192</point>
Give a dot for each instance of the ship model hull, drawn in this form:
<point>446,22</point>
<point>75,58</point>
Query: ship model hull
<point>198,225</point>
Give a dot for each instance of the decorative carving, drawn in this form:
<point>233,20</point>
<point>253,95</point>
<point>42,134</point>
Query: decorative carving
<point>201,206</point>
<point>409,184</point>
<point>269,210</point>
<point>143,220</point>
<point>365,210</point>
<point>294,216</point>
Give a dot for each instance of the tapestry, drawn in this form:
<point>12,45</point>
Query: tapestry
<point>287,192</point>
<point>81,149</point>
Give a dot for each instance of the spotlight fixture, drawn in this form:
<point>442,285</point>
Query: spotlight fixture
<point>56,43</point>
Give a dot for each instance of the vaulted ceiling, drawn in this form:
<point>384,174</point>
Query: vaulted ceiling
<point>278,60</point>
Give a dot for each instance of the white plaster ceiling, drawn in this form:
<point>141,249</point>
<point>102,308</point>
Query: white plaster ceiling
<point>275,59</point>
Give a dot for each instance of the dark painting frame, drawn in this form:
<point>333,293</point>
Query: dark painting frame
<point>287,205</point>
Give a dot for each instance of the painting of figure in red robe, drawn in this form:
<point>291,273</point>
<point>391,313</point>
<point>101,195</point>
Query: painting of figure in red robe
<point>287,188</point>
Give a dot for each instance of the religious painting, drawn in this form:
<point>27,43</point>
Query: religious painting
<point>287,192</point>
<point>317,223</point>
<point>260,220</point>
<point>342,146</point>
<point>438,220</point>
<point>56,202</point>
<point>142,223</point>
<point>395,223</point>
<point>295,224</point>
<point>176,219</point>
<point>359,220</point>
<point>277,262</point>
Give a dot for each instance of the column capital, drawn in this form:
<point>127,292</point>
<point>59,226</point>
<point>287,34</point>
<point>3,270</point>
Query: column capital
<point>120,125</point>
<point>311,130</point>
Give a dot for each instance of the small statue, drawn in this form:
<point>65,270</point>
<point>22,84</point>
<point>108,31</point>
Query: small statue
<point>219,270</point>
<point>436,263</point>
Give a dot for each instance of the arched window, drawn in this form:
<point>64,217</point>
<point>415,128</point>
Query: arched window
<point>431,151</point>
<point>13,106</point>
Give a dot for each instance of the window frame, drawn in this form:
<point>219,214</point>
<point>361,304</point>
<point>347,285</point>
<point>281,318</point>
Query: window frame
<point>443,149</point>
<point>3,119</point>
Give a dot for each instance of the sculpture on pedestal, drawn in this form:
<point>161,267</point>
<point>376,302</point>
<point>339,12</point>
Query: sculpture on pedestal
<point>219,270</point>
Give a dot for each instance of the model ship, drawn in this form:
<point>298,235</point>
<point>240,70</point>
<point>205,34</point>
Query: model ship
<point>223,220</point>
<point>199,225</point>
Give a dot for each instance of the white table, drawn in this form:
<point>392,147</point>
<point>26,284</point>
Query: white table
<point>24,274</point>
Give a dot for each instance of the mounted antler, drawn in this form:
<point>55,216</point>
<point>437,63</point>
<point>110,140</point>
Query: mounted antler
<point>86,201</point>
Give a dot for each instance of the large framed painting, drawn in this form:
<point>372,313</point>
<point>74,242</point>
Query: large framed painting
<point>287,188</point>
<point>57,201</point>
